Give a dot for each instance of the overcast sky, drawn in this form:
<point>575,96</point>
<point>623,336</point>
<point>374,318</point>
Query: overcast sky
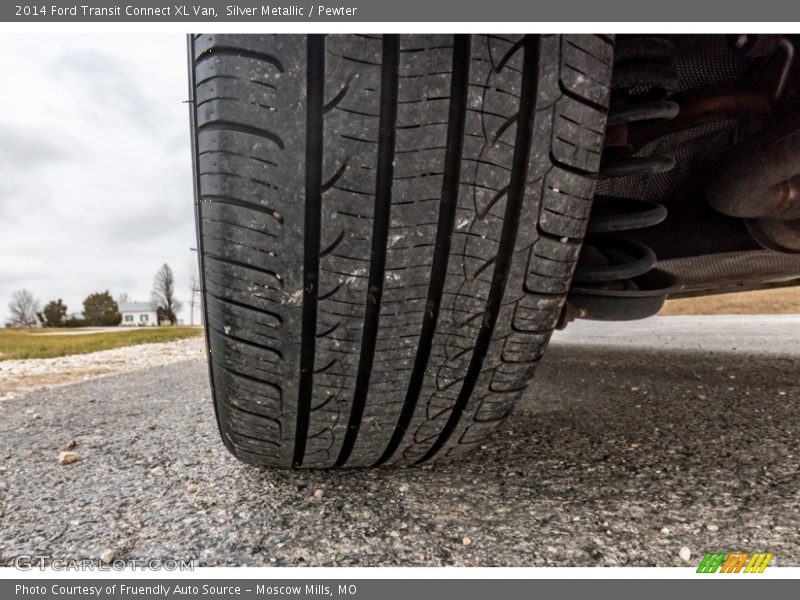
<point>95,166</point>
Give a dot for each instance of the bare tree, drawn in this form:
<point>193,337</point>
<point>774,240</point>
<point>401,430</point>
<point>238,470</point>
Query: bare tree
<point>123,298</point>
<point>163,295</point>
<point>23,308</point>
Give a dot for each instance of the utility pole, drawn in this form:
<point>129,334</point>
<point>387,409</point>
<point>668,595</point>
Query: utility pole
<point>196,288</point>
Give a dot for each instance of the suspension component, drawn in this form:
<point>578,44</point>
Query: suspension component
<point>616,278</point>
<point>759,179</point>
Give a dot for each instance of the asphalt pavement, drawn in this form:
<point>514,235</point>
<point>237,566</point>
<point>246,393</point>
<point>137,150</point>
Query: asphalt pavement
<point>642,444</point>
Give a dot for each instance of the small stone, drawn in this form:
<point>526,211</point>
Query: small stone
<point>191,488</point>
<point>319,493</point>
<point>157,471</point>
<point>394,534</point>
<point>466,541</point>
<point>712,527</point>
<point>665,530</point>
<point>685,554</point>
<point>107,556</point>
<point>403,488</point>
<point>71,445</point>
<point>67,458</point>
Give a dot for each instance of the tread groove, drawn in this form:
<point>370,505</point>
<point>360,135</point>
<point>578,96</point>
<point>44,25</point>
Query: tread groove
<point>390,69</point>
<point>222,125</point>
<point>332,245</point>
<point>242,305</point>
<point>244,265</point>
<point>338,98</point>
<point>459,88</point>
<point>515,194</point>
<point>232,51</point>
<point>313,218</point>
<point>217,199</point>
<point>336,176</point>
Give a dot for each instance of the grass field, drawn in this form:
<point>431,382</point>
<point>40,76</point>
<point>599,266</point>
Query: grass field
<point>35,343</point>
<point>780,301</point>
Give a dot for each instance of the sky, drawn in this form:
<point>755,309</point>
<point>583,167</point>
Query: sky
<point>95,166</point>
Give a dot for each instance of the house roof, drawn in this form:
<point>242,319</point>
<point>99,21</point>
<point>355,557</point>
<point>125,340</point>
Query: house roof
<point>137,307</point>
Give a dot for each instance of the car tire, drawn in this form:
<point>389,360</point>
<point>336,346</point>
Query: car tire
<point>387,230</point>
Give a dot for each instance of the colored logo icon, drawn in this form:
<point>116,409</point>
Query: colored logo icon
<point>734,562</point>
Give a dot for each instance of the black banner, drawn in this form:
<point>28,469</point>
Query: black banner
<point>390,589</point>
<point>392,11</point>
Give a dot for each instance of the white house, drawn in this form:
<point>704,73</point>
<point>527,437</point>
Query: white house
<point>138,314</point>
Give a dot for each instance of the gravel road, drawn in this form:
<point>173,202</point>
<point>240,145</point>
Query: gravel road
<point>647,443</point>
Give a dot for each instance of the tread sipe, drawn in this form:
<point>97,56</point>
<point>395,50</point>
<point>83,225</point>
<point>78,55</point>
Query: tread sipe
<point>388,226</point>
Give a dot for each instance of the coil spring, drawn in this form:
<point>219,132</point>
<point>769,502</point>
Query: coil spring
<point>643,77</point>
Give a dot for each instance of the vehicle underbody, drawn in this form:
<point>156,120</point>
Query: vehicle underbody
<point>700,169</point>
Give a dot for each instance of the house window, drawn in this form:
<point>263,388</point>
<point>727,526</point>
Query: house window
<point>129,318</point>
<point>143,318</point>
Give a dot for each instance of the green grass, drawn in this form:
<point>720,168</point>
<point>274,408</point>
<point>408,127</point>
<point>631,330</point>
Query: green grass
<point>29,343</point>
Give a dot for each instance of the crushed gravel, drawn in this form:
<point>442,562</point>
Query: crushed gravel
<point>20,376</point>
<point>624,454</point>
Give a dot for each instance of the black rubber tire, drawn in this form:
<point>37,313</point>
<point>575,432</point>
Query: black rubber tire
<point>388,226</point>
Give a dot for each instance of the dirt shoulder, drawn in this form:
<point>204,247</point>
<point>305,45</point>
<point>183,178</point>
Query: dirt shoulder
<point>20,376</point>
<point>781,301</point>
